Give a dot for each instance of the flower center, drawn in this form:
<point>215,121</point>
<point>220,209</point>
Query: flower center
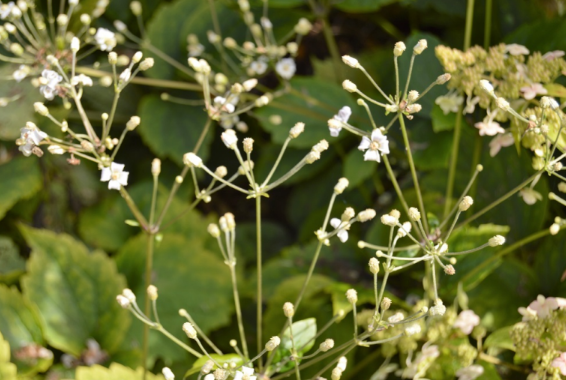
<point>374,145</point>
<point>115,176</point>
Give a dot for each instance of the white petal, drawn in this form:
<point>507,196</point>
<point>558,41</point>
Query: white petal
<point>384,146</point>
<point>335,222</point>
<point>364,144</point>
<point>376,135</point>
<point>123,178</point>
<point>238,376</point>
<point>116,168</point>
<point>334,132</point>
<point>372,155</point>
<point>343,236</point>
<point>114,185</point>
<point>105,175</point>
<point>247,370</point>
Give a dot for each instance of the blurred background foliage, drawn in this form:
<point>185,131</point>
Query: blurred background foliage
<point>57,288</point>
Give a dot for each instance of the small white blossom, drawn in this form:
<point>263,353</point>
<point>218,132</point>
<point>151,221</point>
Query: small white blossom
<point>115,176</point>
<point>530,196</point>
<point>500,141</point>
<point>530,92</point>
<point>470,373</point>
<point>471,104</point>
<point>246,373</point>
<point>516,49</point>
<point>125,75</point>
<point>450,102</point>
<point>81,79</point>
<point>344,114</point>
<point>543,306</point>
<point>413,329</point>
<point>395,318</point>
<point>466,321</point>
<point>552,55</point>
<point>286,68</point>
<point>168,374</point>
<point>30,137</point>
<point>548,102</point>
<point>489,128</point>
<point>105,39</point>
<point>342,234</point>
<point>229,138</point>
<point>560,363</point>
<point>259,66</point>
<point>49,81</point>
<point>485,85</point>
<point>527,313</point>
<point>21,73</point>
<point>373,147</point>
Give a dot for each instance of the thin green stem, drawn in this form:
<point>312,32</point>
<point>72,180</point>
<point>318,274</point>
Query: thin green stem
<point>174,189</point>
<point>469,24</point>
<point>174,339</point>
<point>202,136</point>
<point>131,204</point>
<point>238,310</point>
<point>272,171</point>
<point>332,47</point>
<point>409,76</point>
<point>147,303</point>
<point>259,278</point>
<point>487,30</point>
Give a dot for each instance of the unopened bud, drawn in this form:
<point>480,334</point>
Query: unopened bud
<point>399,49</point>
<point>221,171</point>
<point>189,330</point>
<point>414,214</point>
<point>367,214</point>
<point>133,123</point>
<point>466,203</point>
<point>420,46</point>
<point>496,241</point>
<point>554,228</point>
<point>136,8</point>
<point>273,343</point>
<point>297,130</point>
<point>349,86</point>
<point>374,265</point>
<point>352,62</point>
<point>288,309</point>
<point>129,295</point>
<point>327,345</point>
<point>155,167</point>
<point>191,159</point>
<point>248,144</point>
<point>123,301</point>
<point>449,270</point>
<point>152,292</point>
<point>112,58</point>
<point>146,64</point>
<point>341,185</point>
<point>443,78</point>
<point>385,304</point>
<point>41,109</point>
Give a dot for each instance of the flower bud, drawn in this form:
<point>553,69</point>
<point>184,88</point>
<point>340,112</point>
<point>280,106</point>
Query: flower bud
<point>146,64</point>
<point>208,366</point>
<point>62,19</point>
<point>336,374</point>
<point>413,96</point>
<point>349,86</point>
<point>129,295</point>
<point>438,310</point>
<point>399,49</point>
<point>152,292</point>
<point>230,43</point>
<point>348,214</point>
<point>496,241</point>
<point>123,301</point>
<point>189,330</point>
<point>248,145</point>
<point>554,228</point>
<point>341,185</point>
<point>404,229</point>
<point>352,62</point>
<point>414,214</point>
<point>249,84</point>
<point>155,167</point>
<point>352,296</point>
<point>367,214</point>
<point>303,27</point>
<point>327,345</point>
<point>40,109</point>
<point>449,270</point>
<point>486,86</point>
<point>288,309</point>
<point>273,343</point>
<point>136,8</point>
<point>167,373</point>
<point>191,159</point>
<point>548,102</point>
<point>374,265</point>
<point>221,171</point>
<point>85,19</point>
<point>466,203</point>
<point>412,329</point>
<point>213,230</point>
<point>443,78</point>
<point>229,138</point>
<point>112,58</point>
<point>312,157</point>
<point>133,123</point>
<point>502,103</point>
<point>75,44</point>
<point>320,147</point>
<point>385,303</point>
<point>297,130</point>
<point>137,57</point>
<point>420,46</point>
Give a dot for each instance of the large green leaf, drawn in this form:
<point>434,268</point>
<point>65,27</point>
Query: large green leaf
<point>75,292</point>
<point>187,276</point>
<point>534,35</point>
<point>20,180</point>
<point>8,371</point>
<point>12,265</point>
<point>171,130</point>
<point>549,266</point>
<point>356,169</point>
<point>14,116</point>
<point>303,333</point>
<point>114,372</point>
<point>500,339</point>
<point>313,102</point>
<point>21,327</point>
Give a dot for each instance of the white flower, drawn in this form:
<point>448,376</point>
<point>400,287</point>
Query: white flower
<point>527,313</point>
<point>115,176</point>
<point>500,141</point>
<point>31,136</point>
<point>344,114</point>
<point>168,374</point>
<point>427,353</point>
<point>125,75</point>
<point>378,143</point>
<point>21,73</point>
<point>516,49</point>
<point>450,102</point>
<point>471,104</point>
<point>530,92</point>
<point>246,373</point>
<point>6,10</point>
<point>486,86</point>
<point>342,234</point>
<point>551,55</point>
<point>260,66</point>
<point>229,138</point>
<point>81,79</point>
<point>223,105</point>
<point>105,39</point>
<point>530,196</point>
<point>470,373</point>
<point>404,230</point>
<point>335,127</point>
<point>397,317</point>
<point>489,128</point>
<point>49,81</point>
<point>286,68</point>
<point>413,329</point>
<point>195,50</point>
<point>548,102</point>
<point>543,306</point>
<point>466,321</point>
<point>438,310</point>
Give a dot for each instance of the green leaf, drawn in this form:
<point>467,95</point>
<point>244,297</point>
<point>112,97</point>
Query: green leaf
<point>21,326</point>
<point>312,102</point>
<point>75,292</point>
<point>8,371</point>
<point>549,265</point>
<point>171,130</point>
<point>114,372</point>
<point>303,333</point>
<point>432,150</point>
<point>188,276</point>
<point>220,359</point>
<point>555,90</point>
<point>14,116</point>
<point>356,6</point>
<point>20,180</point>
<point>500,339</point>
<point>442,121</point>
<point>356,169</point>
<point>12,265</point>
<point>534,35</point>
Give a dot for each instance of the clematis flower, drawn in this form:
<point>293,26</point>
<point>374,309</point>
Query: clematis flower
<point>530,92</point>
<point>49,81</point>
<point>530,196</point>
<point>342,234</point>
<point>489,128</point>
<point>115,176</point>
<point>245,374</point>
<point>378,143</point>
<point>500,141</point>
<point>466,321</point>
<point>105,39</point>
<point>516,49</point>
<point>450,102</point>
<point>560,363</point>
<point>471,372</point>
<point>286,68</point>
